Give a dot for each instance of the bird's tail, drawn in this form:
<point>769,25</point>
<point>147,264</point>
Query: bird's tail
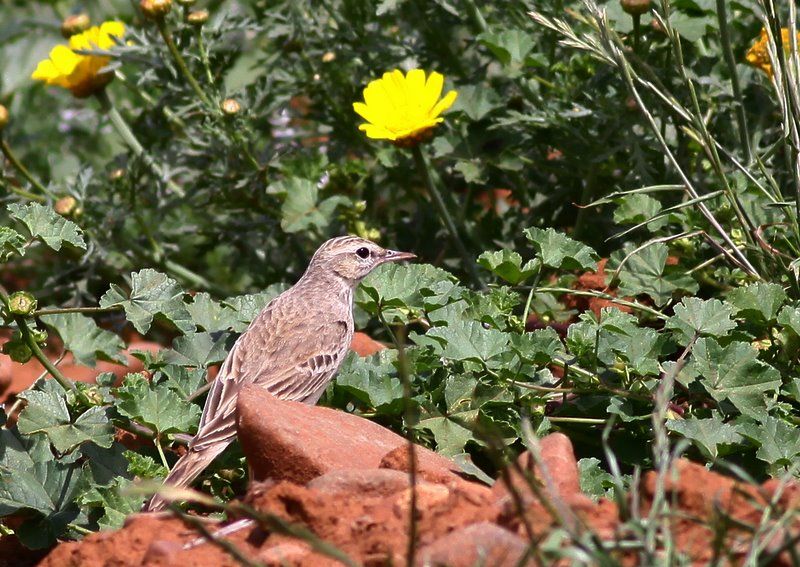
<point>184,472</point>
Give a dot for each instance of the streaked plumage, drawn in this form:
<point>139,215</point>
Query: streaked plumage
<point>292,349</point>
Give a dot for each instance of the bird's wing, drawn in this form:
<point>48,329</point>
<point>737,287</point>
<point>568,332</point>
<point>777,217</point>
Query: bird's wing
<point>290,357</point>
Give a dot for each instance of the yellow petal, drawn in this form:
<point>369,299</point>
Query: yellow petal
<point>444,104</point>
<point>377,132</point>
<point>415,79</point>
<point>433,89</point>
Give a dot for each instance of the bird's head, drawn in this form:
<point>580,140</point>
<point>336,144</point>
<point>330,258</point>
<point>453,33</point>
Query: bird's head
<point>352,258</point>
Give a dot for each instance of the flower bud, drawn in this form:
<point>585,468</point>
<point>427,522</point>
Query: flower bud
<point>3,117</point>
<point>66,206</point>
<point>230,106</point>
<point>116,174</point>
<point>197,17</point>
<point>155,9</point>
<point>17,351</point>
<point>635,7</point>
<point>21,303</point>
<point>328,57</point>
<point>75,24</point>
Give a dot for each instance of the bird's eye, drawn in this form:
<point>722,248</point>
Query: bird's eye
<point>363,253</point>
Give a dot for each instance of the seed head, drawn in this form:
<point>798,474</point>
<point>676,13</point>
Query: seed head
<point>635,7</point>
<point>230,106</point>
<point>75,24</point>
<point>197,17</point>
<point>3,117</point>
<point>66,206</point>
<point>155,9</point>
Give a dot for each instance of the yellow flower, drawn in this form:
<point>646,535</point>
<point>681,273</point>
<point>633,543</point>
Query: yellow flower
<point>76,72</point>
<point>403,108</point>
<point>758,54</point>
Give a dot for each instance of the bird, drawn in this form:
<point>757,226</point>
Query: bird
<point>292,348</point>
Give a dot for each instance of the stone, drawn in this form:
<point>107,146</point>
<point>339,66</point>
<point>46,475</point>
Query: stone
<point>361,482</point>
<point>483,543</point>
<point>364,345</point>
<point>291,441</point>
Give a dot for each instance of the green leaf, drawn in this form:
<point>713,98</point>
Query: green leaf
<point>11,242</point>
<point>85,339</point>
<point>46,412</point>
<point>144,466</point>
<point>43,222</point>
<point>639,208</point>
<point>539,347</point>
<point>210,315</point>
<point>31,478</point>
<point>459,392</point>
<point>302,209</point>
<point>789,317</point>
<point>248,306</point>
<point>709,317</point>
<point>509,46</point>
<point>760,301</point>
<point>372,379</point>
<point>450,432</point>
<point>469,340</point>
<point>198,350</point>
<point>399,286</point>
<point>646,272</point>
<point>476,101</point>
<point>712,436</point>
<point>560,251</point>
<point>183,381</point>
<point>117,502</point>
<point>778,441</point>
<point>734,373</point>
<point>156,406</point>
<point>595,482</point>
<point>152,293</point>
<point>507,265</point>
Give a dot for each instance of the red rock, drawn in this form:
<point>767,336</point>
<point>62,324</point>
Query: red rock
<point>361,482</point>
<point>285,440</point>
<point>479,544</point>
<point>364,345</point>
<point>560,464</point>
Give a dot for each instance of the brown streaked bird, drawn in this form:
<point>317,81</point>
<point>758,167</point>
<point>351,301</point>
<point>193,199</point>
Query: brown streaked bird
<point>292,349</point>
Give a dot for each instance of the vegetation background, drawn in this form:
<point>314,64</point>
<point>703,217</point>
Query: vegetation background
<point>196,185</point>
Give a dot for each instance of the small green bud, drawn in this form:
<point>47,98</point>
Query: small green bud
<point>75,24</point>
<point>360,206</point>
<point>230,106</point>
<point>21,303</point>
<point>39,336</point>
<point>91,393</point>
<point>3,117</point>
<point>197,17</point>
<point>17,351</point>
<point>155,9</point>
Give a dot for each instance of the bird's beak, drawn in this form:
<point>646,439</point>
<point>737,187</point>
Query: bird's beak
<point>396,256</point>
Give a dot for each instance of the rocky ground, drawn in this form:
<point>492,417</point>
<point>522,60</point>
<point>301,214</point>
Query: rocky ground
<point>346,479</point>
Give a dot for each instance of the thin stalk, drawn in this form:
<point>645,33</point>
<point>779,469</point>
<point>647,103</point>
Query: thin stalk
<point>422,166</point>
<point>730,61</point>
<point>157,443</point>
<point>19,166</point>
<point>412,453</point>
<point>64,310</point>
<point>29,339</point>
<point>21,192</point>
<point>528,301</point>
<point>130,139</point>
<point>181,63</point>
<point>606,296</point>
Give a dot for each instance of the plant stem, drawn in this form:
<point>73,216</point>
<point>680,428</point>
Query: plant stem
<point>29,339</point>
<point>730,61</point>
<point>63,310</point>
<point>128,136</point>
<point>181,63</point>
<point>606,296</point>
<point>408,417</point>
<point>19,166</point>
<point>157,443</point>
<point>422,166</point>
